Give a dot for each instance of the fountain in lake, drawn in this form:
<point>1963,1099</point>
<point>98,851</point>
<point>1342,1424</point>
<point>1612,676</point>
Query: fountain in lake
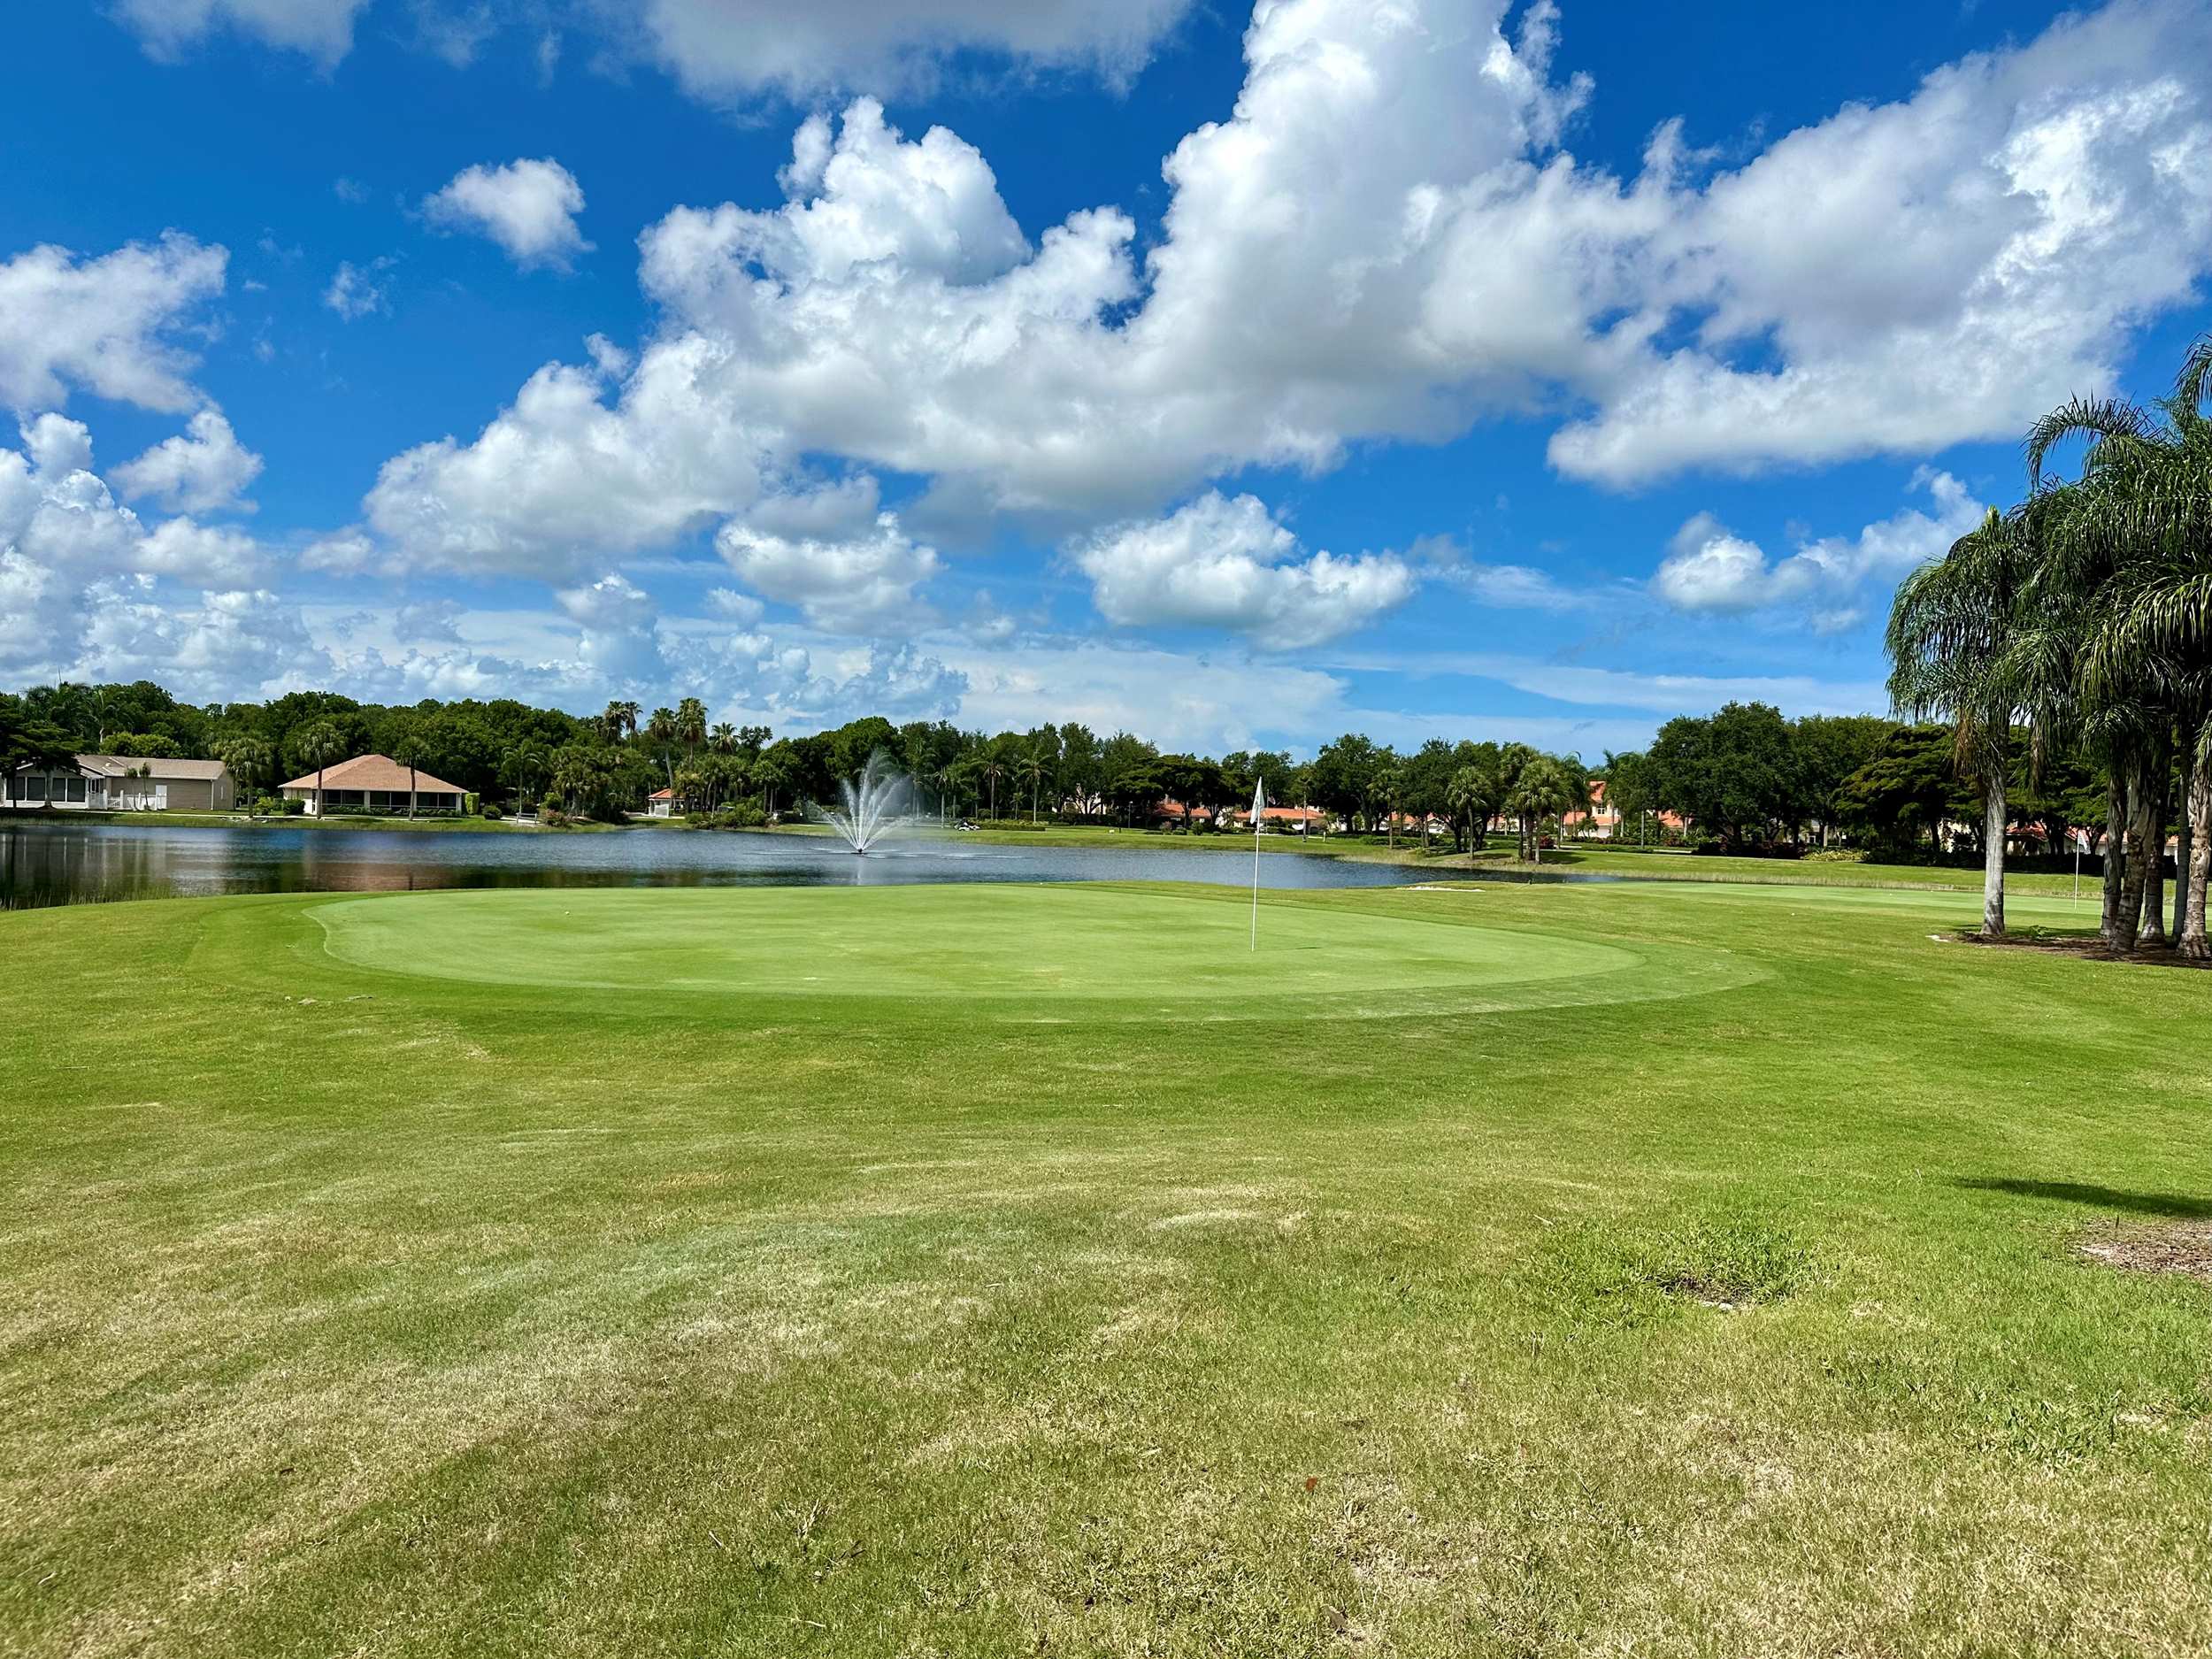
<point>877,803</point>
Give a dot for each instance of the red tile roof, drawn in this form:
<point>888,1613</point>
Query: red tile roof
<point>376,771</point>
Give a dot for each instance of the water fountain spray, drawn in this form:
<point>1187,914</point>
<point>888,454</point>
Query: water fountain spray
<point>877,803</point>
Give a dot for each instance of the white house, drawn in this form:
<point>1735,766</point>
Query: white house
<point>123,783</point>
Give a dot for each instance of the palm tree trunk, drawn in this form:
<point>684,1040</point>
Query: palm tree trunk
<point>1995,819</point>
<point>319,792</point>
<point>2139,837</point>
<point>2184,850</point>
<point>2115,853</point>
<point>410,788</point>
<point>2154,926</point>
<point>2191,935</point>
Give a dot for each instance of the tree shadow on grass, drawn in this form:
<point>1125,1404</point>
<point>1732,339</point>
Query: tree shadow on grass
<point>2177,1205</point>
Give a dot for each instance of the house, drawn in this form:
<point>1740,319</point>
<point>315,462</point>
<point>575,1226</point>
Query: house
<point>1290,820</point>
<point>374,783</point>
<point>1171,811</point>
<point>1600,823</point>
<point>124,783</point>
<point>661,804</point>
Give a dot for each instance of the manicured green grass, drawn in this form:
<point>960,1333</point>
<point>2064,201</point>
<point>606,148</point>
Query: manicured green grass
<point>1652,1269</point>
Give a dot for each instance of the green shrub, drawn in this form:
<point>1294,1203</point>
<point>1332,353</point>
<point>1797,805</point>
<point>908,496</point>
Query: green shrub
<point>490,811</point>
<point>1837,856</point>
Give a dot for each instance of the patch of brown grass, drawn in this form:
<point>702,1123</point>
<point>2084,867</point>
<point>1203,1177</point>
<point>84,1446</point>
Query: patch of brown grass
<point>2182,1247</point>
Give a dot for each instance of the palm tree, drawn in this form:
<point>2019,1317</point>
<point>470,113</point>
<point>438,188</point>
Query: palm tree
<point>319,746</point>
<point>407,750</point>
<point>723,739</point>
<point>519,768</point>
<point>1472,794</point>
<point>1951,629</point>
<point>2137,549</point>
<point>1542,788</point>
<point>1030,770</point>
<point>691,723</point>
<point>248,759</point>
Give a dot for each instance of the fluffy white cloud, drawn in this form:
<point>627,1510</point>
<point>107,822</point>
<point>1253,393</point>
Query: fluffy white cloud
<point>1712,570</point>
<point>202,470</point>
<point>1903,277</point>
<point>527,207</point>
<point>93,592</point>
<point>847,566</point>
<point>354,291</point>
<point>427,620</point>
<point>715,49</point>
<point>1220,563</point>
<point>719,51</point>
<point>1383,240</point>
<point>618,640</point>
<point>226,643</point>
<point>562,478</point>
<point>106,325</point>
<point>321,30</point>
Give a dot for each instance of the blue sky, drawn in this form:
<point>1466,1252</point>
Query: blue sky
<point>1418,366</point>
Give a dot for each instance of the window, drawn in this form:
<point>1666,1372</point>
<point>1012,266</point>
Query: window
<point>36,785</point>
<point>76,787</point>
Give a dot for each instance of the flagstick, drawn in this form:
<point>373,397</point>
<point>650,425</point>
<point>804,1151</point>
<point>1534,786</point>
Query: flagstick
<point>1258,808</point>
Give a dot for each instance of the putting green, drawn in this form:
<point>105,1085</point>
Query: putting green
<point>1094,946</point>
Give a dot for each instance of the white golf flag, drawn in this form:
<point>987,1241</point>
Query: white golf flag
<point>1259,805</point>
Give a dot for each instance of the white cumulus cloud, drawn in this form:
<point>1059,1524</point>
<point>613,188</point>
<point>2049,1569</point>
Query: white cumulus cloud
<point>205,469</point>
<point>1225,564</point>
<point>847,566</point>
<point>1709,569</point>
<point>354,290</point>
<point>109,324</point>
<point>528,207</point>
<point>1384,239</point>
<point>318,29</point>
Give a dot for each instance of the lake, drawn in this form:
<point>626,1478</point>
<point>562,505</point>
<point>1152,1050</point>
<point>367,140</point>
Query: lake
<point>49,862</point>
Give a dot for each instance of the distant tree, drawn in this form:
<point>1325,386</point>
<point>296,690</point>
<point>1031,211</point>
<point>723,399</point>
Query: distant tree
<point>1029,769</point>
<point>1907,792</point>
<point>691,723</point>
<point>1542,786</point>
<point>1830,748</point>
<point>250,762</point>
<point>1733,774</point>
<point>407,748</point>
<point>1474,797</point>
<point>316,749</point>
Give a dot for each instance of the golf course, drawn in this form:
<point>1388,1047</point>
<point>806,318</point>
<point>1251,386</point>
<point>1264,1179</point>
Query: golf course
<point>1678,1268</point>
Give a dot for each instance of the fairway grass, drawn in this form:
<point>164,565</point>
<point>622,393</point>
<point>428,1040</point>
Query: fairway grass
<point>1671,1269</point>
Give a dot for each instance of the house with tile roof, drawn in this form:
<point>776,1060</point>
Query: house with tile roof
<point>374,783</point>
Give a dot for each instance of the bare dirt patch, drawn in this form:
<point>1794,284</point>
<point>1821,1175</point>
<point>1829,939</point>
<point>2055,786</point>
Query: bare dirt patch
<point>2182,1247</point>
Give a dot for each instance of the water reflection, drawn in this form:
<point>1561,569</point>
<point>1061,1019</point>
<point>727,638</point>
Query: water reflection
<point>46,862</point>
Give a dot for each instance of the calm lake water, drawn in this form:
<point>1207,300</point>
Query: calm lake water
<point>48,863</point>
